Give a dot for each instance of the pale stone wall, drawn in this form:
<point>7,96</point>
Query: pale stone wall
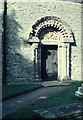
<point>20,18</point>
<point>76,1</point>
<point>82,42</point>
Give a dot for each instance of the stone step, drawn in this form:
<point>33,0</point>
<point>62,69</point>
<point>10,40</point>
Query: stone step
<point>54,83</point>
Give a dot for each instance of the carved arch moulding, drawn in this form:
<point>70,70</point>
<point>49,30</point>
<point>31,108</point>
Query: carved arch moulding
<point>51,30</point>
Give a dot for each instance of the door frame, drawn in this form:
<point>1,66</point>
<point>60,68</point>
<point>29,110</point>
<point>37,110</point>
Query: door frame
<point>63,60</point>
<point>65,38</point>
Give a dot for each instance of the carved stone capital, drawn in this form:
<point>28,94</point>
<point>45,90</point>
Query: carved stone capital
<point>35,45</point>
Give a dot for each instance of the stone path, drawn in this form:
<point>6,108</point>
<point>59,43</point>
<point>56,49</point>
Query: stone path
<point>12,104</point>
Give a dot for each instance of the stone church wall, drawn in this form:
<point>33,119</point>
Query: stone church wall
<point>1,30</point>
<point>20,18</point>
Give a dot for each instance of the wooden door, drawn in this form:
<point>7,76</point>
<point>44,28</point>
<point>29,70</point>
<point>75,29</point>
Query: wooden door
<point>49,62</point>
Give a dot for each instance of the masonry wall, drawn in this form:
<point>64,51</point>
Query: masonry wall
<point>82,42</point>
<point>20,18</point>
<point>1,30</point>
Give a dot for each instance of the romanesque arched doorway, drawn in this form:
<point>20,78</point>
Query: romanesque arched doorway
<point>51,39</point>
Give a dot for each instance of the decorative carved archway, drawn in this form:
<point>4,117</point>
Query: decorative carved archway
<point>51,30</point>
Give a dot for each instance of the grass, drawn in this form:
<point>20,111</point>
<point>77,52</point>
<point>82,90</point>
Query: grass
<point>61,98</point>
<point>13,90</point>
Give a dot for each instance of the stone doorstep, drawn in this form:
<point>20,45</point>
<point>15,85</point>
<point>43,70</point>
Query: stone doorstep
<point>65,111</point>
<point>50,83</point>
<point>54,83</point>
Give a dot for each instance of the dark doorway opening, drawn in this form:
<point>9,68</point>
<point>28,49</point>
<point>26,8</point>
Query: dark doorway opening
<point>49,62</point>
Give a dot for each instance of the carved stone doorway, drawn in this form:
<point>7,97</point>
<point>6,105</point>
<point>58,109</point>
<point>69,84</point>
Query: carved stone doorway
<point>51,31</point>
<point>49,62</point>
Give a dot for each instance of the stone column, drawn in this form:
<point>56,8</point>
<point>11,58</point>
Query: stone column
<point>60,62</point>
<point>37,61</point>
<point>68,45</point>
<point>64,61</point>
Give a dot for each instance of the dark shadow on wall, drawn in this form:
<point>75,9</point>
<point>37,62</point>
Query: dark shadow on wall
<point>70,61</point>
<point>18,69</point>
<point>74,44</point>
<point>3,43</point>
<point>12,30</point>
<point>70,49</point>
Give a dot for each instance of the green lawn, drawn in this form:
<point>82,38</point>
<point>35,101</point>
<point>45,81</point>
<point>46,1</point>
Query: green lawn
<point>13,90</point>
<point>61,98</point>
